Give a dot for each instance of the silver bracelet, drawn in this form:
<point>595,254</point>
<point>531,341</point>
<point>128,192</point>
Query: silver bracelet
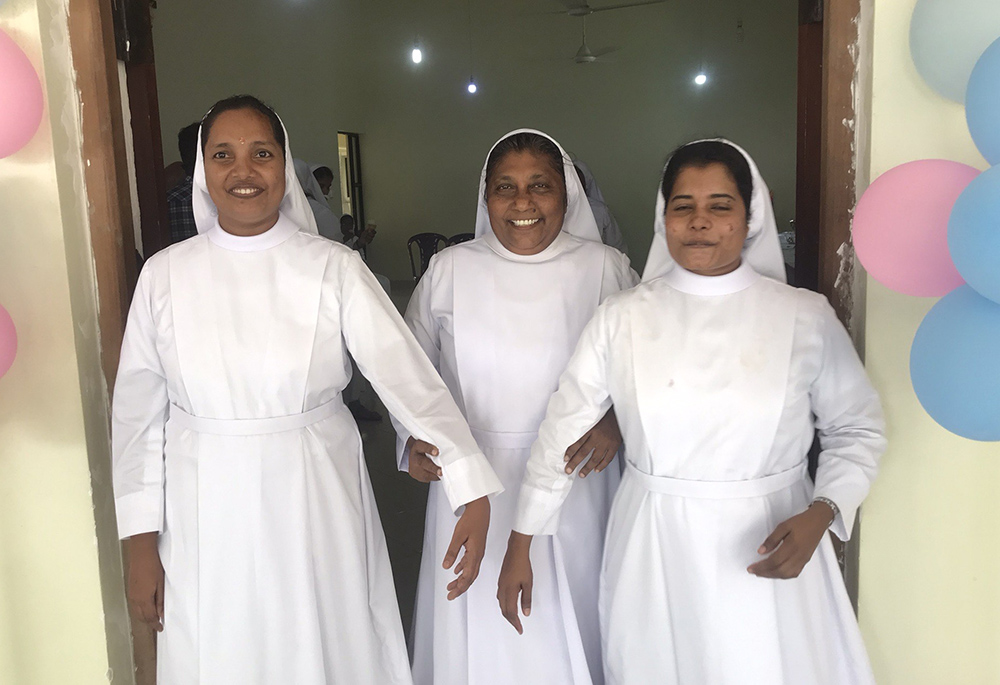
<point>830,503</point>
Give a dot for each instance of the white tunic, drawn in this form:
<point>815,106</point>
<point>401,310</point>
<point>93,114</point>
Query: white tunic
<point>231,441</point>
<point>717,384</point>
<point>500,327</point>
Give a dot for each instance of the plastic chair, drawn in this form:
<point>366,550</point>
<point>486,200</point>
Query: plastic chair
<point>427,245</point>
<point>460,238</point>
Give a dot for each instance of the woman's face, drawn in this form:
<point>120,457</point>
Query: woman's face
<point>706,220</point>
<point>245,171</point>
<point>526,200</point>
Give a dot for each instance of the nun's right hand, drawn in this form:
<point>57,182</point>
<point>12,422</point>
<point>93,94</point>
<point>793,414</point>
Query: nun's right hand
<point>422,467</point>
<point>145,579</point>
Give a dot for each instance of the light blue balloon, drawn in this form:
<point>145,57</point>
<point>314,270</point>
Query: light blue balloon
<point>946,39</point>
<point>974,234</point>
<point>955,364</point>
<point>982,103</point>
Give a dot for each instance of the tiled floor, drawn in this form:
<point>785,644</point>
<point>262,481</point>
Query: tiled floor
<point>401,500</point>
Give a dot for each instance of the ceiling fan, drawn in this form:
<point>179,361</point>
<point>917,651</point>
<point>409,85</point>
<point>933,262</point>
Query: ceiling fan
<point>580,8</point>
<point>587,56</point>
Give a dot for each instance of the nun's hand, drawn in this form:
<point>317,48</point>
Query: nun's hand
<point>422,467</point>
<point>470,532</point>
<point>601,443</point>
<point>516,580</point>
<point>145,579</point>
<point>793,543</point>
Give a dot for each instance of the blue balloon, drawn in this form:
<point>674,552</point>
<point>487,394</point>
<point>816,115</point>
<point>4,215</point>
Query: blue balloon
<point>974,234</point>
<point>982,103</point>
<point>955,364</point>
<point>946,39</point>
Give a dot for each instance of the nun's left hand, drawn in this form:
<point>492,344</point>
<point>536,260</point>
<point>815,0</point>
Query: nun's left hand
<point>602,441</point>
<point>793,543</point>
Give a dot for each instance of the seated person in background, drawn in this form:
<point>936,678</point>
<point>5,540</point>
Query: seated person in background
<point>179,210</point>
<point>324,176</point>
<point>351,237</point>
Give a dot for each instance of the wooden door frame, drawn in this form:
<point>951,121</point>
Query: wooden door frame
<point>824,251</point>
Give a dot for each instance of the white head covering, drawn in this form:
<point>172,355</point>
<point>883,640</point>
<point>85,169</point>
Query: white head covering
<point>578,220</point>
<point>761,250</point>
<point>310,186</point>
<point>334,186</point>
<point>294,205</point>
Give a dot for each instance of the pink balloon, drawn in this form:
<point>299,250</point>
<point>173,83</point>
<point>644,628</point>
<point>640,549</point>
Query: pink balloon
<point>8,341</point>
<point>901,226</point>
<point>21,101</point>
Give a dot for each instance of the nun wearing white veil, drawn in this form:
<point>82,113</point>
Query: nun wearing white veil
<point>327,222</point>
<point>499,317</point>
<point>717,565</point>
<point>240,485</point>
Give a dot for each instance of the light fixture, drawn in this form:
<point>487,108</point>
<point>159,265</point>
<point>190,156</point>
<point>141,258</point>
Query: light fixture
<point>472,88</point>
<point>700,79</point>
<point>417,55</point>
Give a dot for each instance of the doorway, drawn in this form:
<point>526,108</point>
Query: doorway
<point>352,196</point>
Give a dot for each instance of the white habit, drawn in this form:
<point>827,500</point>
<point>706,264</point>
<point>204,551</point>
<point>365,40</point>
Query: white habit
<point>717,383</point>
<point>232,442</point>
<point>500,328</point>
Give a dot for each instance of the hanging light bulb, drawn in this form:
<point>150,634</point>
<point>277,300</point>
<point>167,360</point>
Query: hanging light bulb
<point>700,79</point>
<point>417,55</point>
<point>472,88</point>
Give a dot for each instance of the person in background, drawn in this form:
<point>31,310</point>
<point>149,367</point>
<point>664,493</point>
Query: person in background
<point>610,233</point>
<point>326,220</point>
<point>324,176</point>
<point>352,238</point>
<point>179,210</point>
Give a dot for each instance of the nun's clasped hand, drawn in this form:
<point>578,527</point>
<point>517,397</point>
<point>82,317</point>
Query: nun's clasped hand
<point>793,543</point>
<point>601,443</point>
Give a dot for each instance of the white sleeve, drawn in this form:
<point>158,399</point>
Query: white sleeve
<point>413,392</point>
<point>580,401</point>
<point>850,425</point>
<point>427,331</point>
<point>138,417</point>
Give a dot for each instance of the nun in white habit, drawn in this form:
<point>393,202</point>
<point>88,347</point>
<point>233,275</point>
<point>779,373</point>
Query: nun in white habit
<point>236,464</point>
<point>499,317</point>
<point>327,223</point>
<point>717,568</point>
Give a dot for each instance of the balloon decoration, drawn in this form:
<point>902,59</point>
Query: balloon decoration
<point>901,226</point>
<point>8,341</point>
<point>982,103</point>
<point>932,227</point>
<point>21,101</point>
<point>955,364</point>
<point>946,39</point>
<point>974,235</point>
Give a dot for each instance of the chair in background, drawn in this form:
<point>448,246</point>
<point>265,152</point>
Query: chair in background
<point>427,246</point>
<point>460,238</point>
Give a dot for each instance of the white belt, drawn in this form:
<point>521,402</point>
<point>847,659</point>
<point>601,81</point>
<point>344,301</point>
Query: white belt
<point>718,489</point>
<point>504,441</point>
<point>277,424</point>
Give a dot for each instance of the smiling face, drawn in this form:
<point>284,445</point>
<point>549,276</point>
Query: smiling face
<point>526,200</point>
<point>706,220</point>
<point>244,171</point>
